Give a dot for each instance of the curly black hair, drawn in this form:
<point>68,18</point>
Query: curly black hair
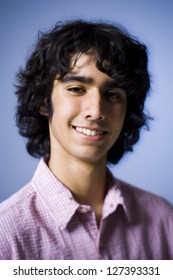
<point>126,62</point>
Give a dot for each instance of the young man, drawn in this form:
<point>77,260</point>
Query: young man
<point>81,105</point>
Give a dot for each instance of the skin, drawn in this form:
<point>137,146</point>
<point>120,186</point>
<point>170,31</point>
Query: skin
<point>90,99</point>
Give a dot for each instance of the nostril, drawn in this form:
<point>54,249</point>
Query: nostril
<point>100,118</point>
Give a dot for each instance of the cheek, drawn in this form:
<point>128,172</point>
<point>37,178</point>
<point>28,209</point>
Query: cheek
<point>123,115</point>
<point>64,110</point>
<point>118,115</point>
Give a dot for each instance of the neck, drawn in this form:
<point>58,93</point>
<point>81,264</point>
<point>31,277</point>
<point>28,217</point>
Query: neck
<point>86,181</point>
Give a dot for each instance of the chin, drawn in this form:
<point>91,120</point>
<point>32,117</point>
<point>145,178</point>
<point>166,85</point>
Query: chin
<point>92,159</point>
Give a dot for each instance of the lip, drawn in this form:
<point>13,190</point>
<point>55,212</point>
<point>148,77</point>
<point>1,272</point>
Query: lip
<point>90,133</point>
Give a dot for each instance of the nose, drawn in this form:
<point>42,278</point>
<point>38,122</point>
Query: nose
<point>93,107</point>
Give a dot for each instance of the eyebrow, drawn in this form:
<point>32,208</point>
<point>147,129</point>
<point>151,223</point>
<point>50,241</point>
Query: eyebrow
<point>88,81</point>
<point>81,79</point>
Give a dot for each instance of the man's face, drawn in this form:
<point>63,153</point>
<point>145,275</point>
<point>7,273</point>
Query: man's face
<point>88,113</point>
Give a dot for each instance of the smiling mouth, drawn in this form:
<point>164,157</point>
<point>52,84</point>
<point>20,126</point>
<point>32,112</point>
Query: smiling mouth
<point>89,132</point>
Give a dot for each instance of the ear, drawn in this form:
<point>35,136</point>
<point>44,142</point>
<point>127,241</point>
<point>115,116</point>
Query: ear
<point>43,111</point>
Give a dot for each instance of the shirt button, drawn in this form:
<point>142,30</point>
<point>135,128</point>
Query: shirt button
<point>83,209</point>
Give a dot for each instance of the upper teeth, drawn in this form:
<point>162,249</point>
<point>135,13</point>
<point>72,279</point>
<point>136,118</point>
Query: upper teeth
<point>89,132</point>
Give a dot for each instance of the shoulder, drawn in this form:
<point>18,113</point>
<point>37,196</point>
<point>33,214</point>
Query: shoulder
<point>21,201</point>
<point>150,220</point>
<point>141,204</point>
<point>17,201</point>
<point>15,218</point>
<point>141,199</point>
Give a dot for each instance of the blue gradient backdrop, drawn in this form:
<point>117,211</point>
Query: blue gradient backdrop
<point>151,165</point>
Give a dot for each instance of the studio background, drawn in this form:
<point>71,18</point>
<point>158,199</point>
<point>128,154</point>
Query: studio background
<point>150,166</point>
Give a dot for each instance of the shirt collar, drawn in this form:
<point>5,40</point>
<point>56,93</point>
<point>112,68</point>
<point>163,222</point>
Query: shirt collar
<point>127,193</point>
<point>57,198</point>
<point>117,196</point>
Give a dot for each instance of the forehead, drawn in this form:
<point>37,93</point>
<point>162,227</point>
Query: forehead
<point>84,70</point>
<point>87,62</point>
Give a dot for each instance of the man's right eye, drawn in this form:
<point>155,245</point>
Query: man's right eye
<point>77,90</point>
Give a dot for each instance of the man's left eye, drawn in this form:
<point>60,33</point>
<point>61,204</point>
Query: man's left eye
<point>112,96</point>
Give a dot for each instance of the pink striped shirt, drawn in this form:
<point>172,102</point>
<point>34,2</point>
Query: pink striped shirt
<point>43,221</point>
